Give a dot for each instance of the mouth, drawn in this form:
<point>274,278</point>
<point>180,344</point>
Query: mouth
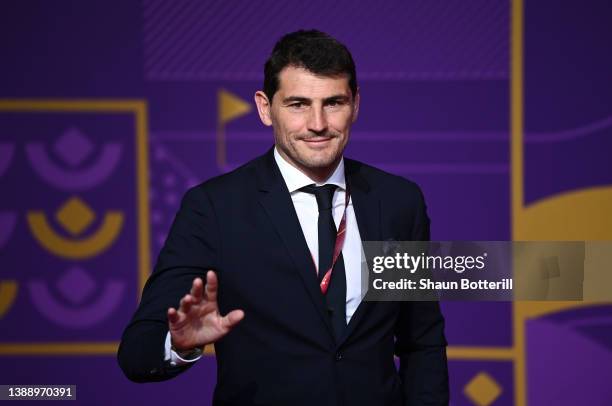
<point>317,140</point>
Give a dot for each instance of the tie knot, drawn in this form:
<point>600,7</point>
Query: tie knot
<point>324,195</point>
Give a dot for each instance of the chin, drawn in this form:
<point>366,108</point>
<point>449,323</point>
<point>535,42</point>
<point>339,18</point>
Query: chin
<point>320,162</point>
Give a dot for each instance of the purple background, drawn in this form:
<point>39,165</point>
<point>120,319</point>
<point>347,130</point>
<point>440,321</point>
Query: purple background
<point>435,85</point>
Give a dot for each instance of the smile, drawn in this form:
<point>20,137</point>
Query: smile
<point>317,140</point>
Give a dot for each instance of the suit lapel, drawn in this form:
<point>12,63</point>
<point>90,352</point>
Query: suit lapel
<point>366,205</point>
<point>276,201</point>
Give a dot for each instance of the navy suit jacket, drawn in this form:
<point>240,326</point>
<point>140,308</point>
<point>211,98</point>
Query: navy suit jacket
<point>243,225</point>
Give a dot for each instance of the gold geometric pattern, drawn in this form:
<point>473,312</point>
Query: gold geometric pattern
<point>75,216</point>
<point>482,389</point>
<point>137,108</point>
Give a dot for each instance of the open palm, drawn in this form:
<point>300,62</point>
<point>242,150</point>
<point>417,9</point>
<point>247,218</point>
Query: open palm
<point>197,321</point>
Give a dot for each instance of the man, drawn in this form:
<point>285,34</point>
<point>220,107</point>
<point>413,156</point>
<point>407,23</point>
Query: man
<point>265,262</point>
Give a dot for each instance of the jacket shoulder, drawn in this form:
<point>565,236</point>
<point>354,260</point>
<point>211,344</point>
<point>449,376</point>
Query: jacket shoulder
<point>238,180</point>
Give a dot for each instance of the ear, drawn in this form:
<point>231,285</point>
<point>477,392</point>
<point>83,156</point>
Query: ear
<point>356,105</point>
<point>263,108</point>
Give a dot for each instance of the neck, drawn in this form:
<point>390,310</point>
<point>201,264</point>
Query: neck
<point>320,175</point>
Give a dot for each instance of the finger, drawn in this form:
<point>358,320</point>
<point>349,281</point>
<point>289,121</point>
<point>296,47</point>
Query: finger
<point>197,290</point>
<point>232,318</point>
<point>172,315</point>
<point>186,303</point>
<point>211,286</point>
<point>178,320</point>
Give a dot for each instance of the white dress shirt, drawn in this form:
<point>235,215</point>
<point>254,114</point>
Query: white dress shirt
<point>307,211</point>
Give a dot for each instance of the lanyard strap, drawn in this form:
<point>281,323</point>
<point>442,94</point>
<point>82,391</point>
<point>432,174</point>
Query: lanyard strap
<point>340,235</point>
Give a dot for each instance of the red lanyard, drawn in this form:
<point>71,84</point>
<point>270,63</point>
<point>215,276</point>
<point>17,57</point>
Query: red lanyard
<point>340,235</point>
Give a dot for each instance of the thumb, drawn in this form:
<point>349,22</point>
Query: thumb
<point>232,318</point>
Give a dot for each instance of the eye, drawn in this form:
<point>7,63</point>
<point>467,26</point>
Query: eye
<point>335,103</point>
<point>297,105</point>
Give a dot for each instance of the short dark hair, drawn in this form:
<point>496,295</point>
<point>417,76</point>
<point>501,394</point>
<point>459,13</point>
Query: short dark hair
<point>312,50</point>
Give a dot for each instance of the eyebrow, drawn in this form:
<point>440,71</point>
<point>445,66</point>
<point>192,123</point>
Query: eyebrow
<point>336,97</point>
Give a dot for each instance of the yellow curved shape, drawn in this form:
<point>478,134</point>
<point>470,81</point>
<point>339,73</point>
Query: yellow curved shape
<point>75,249</point>
<point>8,292</point>
<point>584,214</point>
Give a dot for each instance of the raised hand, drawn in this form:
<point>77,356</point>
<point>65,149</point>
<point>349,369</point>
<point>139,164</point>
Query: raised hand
<point>198,322</point>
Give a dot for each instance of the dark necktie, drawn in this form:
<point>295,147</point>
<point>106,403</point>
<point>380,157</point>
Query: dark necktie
<point>336,294</point>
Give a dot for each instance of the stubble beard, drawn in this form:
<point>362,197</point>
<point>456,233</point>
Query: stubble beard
<point>311,161</point>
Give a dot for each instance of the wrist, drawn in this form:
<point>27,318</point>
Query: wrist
<point>186,353</point>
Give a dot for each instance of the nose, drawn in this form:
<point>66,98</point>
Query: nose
<point>317,121</point>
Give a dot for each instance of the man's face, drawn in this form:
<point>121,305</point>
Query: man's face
<point>311,116</point>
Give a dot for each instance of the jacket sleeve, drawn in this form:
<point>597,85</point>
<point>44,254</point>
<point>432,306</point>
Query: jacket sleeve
<point>420,342</point>
<point>190,250</point>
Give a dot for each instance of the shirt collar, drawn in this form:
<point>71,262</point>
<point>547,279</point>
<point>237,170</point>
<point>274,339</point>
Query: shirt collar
<point>296,179</point>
